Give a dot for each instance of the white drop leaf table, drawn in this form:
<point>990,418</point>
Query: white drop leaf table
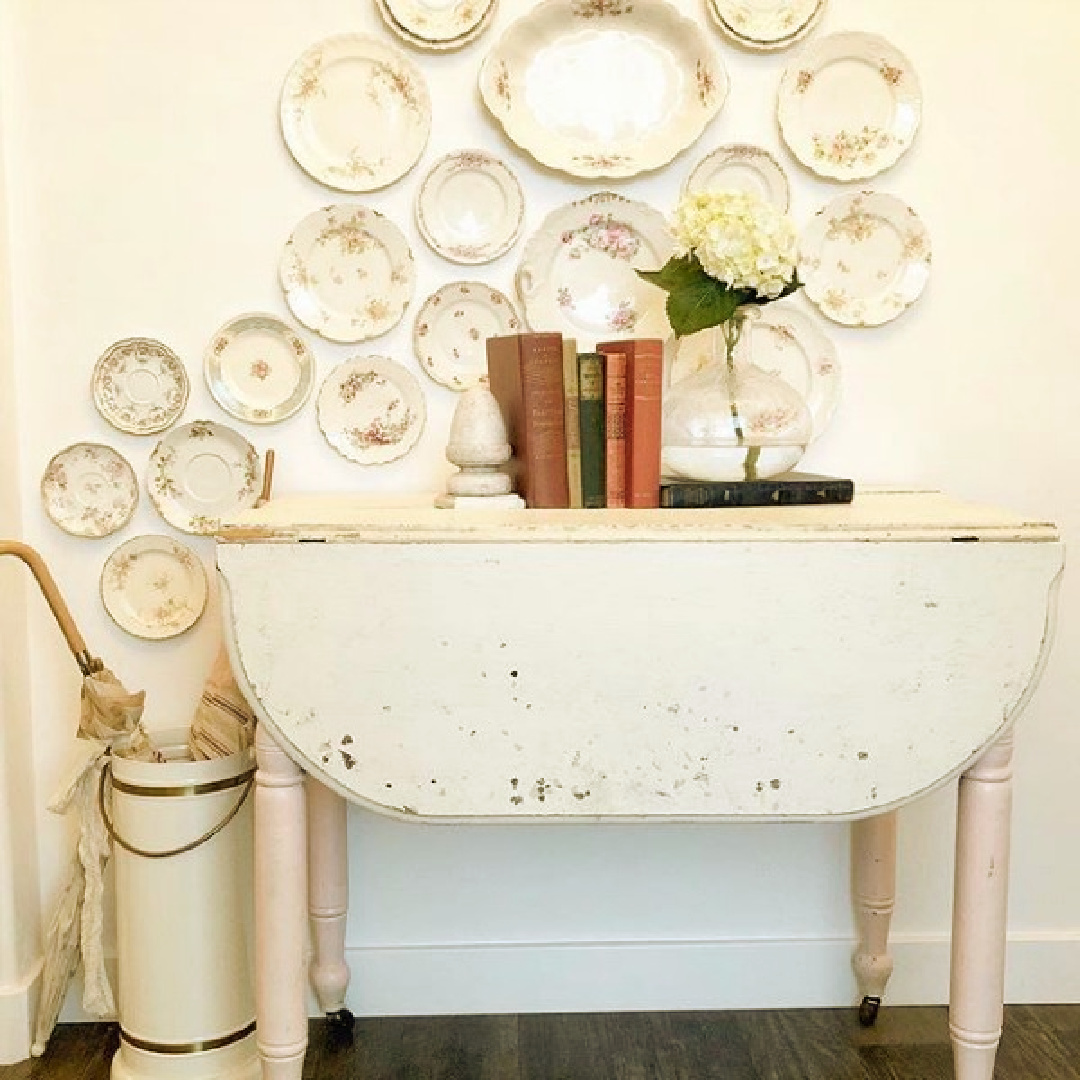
<point>822,663</point>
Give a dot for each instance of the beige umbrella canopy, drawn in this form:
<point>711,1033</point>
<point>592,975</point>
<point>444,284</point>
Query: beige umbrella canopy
<point>110,719</point>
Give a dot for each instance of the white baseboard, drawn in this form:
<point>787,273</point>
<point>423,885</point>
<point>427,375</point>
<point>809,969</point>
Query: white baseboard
<point>659,975</point>
<point>431,980</point>
<point>18,1005</point>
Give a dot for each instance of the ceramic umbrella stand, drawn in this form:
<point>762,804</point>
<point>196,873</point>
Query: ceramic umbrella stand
<point>182,833</point>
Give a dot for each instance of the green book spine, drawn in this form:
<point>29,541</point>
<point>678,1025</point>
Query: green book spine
<point>593,442</point>
<point>573,422</point>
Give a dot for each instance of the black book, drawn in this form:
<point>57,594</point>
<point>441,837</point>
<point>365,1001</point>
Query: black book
<point>790,489</point>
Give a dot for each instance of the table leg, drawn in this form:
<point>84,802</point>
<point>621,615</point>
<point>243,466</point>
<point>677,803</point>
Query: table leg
<point>979,909</point>
<point>873,876</point>
<point>328,896</point>
<point>280,911</point>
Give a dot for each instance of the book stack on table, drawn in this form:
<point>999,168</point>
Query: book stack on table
<point>585,428</point>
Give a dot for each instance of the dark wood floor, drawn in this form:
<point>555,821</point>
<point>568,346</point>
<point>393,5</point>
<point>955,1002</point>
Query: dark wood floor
<point>1040,1043</point>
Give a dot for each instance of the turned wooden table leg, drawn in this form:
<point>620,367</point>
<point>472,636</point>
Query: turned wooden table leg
<point>873,878</point>
<point>280,911</point>
<point>979,910</point>
<point>328,885</point>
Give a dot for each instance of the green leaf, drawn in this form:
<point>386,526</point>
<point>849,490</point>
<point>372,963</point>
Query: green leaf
<point>679,272</point>
<point>701,306</point>
<point>696,301</point>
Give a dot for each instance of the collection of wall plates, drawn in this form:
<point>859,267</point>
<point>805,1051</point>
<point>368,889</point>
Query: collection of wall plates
<point>595,89</point>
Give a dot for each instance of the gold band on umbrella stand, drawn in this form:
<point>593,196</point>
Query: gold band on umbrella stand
<point>190,1047</point>
<point>176,791</point>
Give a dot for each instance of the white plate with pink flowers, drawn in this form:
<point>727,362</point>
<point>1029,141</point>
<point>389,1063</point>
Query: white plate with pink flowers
<point>140,386</point>
<point>452,327</point>
<point>850,106</point>
<point>89,489</point>
<point>865,258</point>
<point>741,167</point>
<point>371,410</point>
<point>470,208</point>
<point>766,25</point>
<point>259,369</point>
<point>201,473</point>
<point>348,273</point>
<point>154,587</point>
<point>355,112</point>
<point>577,273</point>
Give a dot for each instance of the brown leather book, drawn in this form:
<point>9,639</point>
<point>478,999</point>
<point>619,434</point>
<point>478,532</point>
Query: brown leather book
<point>525,374</point>
<point>615,355</point>
<point>644,388</point>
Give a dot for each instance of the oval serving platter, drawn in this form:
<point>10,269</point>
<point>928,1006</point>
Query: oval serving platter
<point>603,88</point>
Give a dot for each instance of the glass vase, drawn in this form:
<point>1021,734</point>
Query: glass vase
<point>730,420</point>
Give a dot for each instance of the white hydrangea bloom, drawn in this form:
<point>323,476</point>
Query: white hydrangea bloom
<point>739,239</point>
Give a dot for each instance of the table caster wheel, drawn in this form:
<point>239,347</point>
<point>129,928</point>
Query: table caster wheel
<point>868,1011</point>
<point>341,1020</point>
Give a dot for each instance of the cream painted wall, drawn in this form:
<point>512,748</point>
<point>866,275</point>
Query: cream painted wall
<point>20,942</point>
<point>150,193</point>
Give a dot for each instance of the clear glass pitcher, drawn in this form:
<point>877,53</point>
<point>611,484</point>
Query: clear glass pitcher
<point>731,420</point>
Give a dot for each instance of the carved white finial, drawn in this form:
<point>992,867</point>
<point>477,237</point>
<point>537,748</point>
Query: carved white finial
<point>479,446</point>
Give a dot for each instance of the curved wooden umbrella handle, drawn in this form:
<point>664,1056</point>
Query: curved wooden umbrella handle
<point>87,663</point>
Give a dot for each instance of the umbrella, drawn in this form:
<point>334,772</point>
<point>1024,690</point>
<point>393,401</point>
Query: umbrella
<point>110,720</point>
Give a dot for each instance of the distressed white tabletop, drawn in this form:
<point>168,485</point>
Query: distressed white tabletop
<point>787,662</point>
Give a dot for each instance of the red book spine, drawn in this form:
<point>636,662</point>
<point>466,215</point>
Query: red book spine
<point>644,379</point>
<point>525,374</point>
<point>615,417</point>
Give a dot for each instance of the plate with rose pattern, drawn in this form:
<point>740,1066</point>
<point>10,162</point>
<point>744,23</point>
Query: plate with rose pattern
<point>786,341</point>
<point>865,258</point>
<point>577,273</point>
<point>438,25</point>
<point>470,208</point>
<point>371,410</point>
<point>154,587</point>
<point>89,489</point>
<point>766,25</point>
<point>741,167</point>
<point>603,88</point>
<point>355,112</point>
<point>201,473</point>
<point>451,331</point>
<point>140,386</point>
<point>259,369</point>
<point>850,106</point>
<point>347,273</point>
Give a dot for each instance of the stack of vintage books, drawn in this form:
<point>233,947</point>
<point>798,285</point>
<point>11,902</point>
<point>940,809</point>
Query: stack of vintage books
<point>586,431</point>
<point>585,427</point>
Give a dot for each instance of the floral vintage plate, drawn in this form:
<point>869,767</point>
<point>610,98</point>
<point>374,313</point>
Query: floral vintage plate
<point>437,24</point>
<point>347,273</point>
<point>470,208</point>
<point>89,489</point>
<point>577,273</point>
<point>259,369</point>
<point>786,341</point>
<point>741,167</point>
<point>603,88</point>
<point>200,473</point>
<point>355,112</point>
<point>140,386</point>
<point>452,328</point>
<point>766,25</point>
<point>371,410</point>
<point>850,106</point>
<point>154,587</point>
<point>865,258</point>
